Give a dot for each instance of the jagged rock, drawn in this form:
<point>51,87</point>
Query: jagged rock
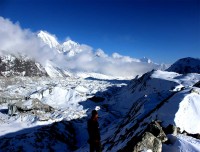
<point>157,131</point>
<point>197,136</point>
<point>148,142</point>
<point>33,104</point>
<point>197,84</point>
<point>12,109</point>
<point>38,105</point>
<point>171,129</point>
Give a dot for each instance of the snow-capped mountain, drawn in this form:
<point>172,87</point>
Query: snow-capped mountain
<point>70,47</point>
<point>48,39</point>
<point>81,58</point>
<point>186,65</point>
<point>144,59</point>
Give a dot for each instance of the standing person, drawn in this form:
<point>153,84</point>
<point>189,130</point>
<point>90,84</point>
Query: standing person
<point>94,133</point>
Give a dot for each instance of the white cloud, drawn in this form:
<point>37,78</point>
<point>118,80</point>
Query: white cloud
<point>14,39</point>
<point>115,65</point>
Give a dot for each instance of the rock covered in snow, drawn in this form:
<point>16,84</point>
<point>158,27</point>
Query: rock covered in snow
<point>157,131</point>
<point>148,143</point>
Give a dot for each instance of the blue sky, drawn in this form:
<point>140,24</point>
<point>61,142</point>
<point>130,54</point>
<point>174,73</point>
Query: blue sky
<point>163,30</point>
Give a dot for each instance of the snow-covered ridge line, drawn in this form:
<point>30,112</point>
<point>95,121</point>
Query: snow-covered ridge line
<point>168,97</point>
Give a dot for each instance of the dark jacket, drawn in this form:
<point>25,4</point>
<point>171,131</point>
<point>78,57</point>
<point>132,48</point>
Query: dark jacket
<point>93,130</point>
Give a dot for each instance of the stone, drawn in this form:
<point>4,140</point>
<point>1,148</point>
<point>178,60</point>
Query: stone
<point>171,129</point>
<point>12,109</point>
<point>157,131</point>
<point>148,143</point>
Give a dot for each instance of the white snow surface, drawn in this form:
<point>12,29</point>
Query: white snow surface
<point>71,98</point>
<point>64,95</point>
<point>182,143</point>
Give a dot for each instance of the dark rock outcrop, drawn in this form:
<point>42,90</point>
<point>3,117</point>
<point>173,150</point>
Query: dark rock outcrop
<point>157,131</point>
<point>148,142</point>
<point>11,65</point>
<point>171,129</point>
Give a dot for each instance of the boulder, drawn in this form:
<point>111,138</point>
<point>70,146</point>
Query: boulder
<point>38,105</point>
<point>148,143</point>
<point>12,109</point>
<point>171,129</point>
<point>157,131</point>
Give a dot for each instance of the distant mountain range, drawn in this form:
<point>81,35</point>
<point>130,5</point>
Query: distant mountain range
<point>21,65</point>
<point>71,48</point>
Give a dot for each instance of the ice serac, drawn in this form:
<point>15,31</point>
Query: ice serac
<point>186,65</point>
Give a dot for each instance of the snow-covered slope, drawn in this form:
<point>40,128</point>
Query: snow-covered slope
<point>158,95</point>
<point>186,65</point>
<point>124,111</point>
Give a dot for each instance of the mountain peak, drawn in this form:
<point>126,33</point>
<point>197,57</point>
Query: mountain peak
<point>69,45</point>
<point>146,60</point>
<point>48,39</point>
<point>186,65</point>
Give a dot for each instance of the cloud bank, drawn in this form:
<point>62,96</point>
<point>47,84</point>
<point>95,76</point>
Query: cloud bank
<point>115,65</point>
<point>14,39</point>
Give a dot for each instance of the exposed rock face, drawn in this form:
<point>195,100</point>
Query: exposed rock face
<point>148,142</point>
<point>171,129</point>
<point>11,65</point>
<point>157,131</point>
